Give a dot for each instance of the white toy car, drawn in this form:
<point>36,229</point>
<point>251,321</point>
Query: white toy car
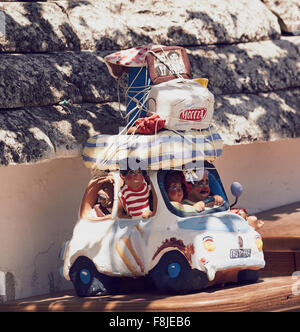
<point>177,251</point>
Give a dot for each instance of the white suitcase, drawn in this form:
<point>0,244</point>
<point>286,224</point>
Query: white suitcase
<point>184,104</point>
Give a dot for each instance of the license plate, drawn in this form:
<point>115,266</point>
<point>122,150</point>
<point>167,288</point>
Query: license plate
<point>240,253</point>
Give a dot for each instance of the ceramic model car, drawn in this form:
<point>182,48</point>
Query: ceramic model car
<point>178,251</point>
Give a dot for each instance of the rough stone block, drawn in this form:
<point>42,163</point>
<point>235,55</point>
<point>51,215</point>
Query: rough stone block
<point>32,135</point>
<point>46,79</point>
<point>36,134</point>
<point>98,25</point>
<point>36,27</point>
<point>246,118</point>
<point>249,67</point>
<point>288,12</point>
<point>202,22</point>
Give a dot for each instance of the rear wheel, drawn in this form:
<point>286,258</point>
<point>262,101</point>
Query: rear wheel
<point>248,276</point>
<point>173,274</point>
<point>88,281</point>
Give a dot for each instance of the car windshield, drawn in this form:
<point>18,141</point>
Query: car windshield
<point>228,222</point>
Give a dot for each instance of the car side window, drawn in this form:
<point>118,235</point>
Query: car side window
<point>98,199</point>
<point>136,198</point>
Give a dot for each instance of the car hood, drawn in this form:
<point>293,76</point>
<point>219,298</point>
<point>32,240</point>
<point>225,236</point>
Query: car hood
<point>223,221</point>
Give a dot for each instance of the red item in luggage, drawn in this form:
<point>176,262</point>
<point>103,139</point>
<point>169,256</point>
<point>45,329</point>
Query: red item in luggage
<point>149,125</point>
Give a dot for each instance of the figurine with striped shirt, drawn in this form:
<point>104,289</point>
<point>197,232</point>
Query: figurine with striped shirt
<point>134,196</point>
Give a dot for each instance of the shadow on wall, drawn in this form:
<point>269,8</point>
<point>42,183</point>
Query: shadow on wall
<point>82,78</point>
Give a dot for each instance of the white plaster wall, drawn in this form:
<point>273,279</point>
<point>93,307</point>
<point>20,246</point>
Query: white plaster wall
<point>38,209</point>
<point>39,205</point>
<point>268,171</point>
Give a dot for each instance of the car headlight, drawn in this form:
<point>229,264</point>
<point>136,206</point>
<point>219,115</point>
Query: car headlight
<point>208,243</point>
<point>259,243</point>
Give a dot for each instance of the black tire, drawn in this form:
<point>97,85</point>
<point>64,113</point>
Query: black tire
<point>248,276</point>
<point>173,274</point>
<point>88,281</point>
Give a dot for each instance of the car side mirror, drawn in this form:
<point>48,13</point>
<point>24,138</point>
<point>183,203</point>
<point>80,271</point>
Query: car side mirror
<point>236,190</point>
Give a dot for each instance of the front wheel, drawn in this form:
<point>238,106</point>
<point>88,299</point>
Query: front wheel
<point>88,281</point>
<point>173,274</point>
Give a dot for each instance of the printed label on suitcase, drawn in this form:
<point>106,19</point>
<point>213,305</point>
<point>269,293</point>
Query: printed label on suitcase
<point>196,114</point>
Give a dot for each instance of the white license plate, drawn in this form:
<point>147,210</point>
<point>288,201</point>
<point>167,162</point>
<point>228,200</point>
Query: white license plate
<point>240,253</point>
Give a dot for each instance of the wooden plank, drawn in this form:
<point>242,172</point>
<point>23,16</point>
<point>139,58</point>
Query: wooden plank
<point>268,294</point>
<point>297,261</point>
<point>282,263</point>
<point>281,231</point>
<point>281,243</point>
<point>281,221</point>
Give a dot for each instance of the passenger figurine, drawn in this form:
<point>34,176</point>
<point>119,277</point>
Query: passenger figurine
<point>199,190</point>
<point>253,221</point>
<point>176,191</point>
<point>98,199</point>
<point>134,196</point>
<point>105,200</point>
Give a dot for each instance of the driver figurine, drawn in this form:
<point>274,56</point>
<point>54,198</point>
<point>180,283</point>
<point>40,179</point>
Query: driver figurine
<point>199,190</point>
<point>176,190</point>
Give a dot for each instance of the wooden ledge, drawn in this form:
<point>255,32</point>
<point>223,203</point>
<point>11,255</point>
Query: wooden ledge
<point>281,231</point>
<point>270,293</point>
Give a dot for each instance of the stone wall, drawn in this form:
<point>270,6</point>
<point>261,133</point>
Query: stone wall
<point>53,51</point>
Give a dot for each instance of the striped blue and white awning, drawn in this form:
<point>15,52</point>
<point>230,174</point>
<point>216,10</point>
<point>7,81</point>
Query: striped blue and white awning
<point>165,150</point>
